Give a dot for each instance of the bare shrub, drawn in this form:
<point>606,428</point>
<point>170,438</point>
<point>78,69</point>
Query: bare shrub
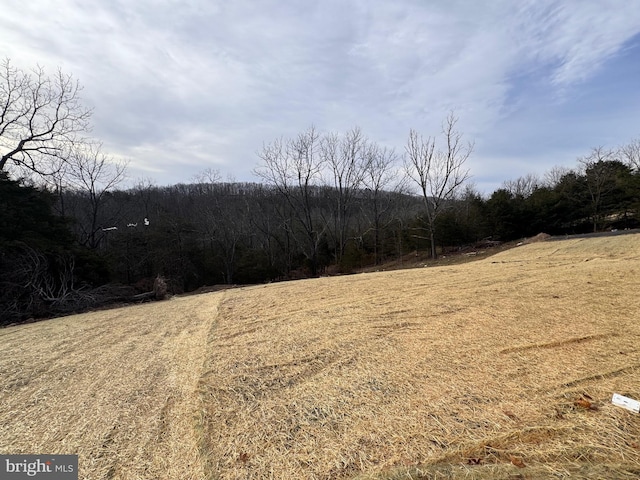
<point>160,288</point>
<point>38,284</point>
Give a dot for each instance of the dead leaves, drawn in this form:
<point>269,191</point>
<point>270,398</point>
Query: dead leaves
<point>582,403</point>
<point>575,402</point>
<point>586,402</point>
<point>511,415</point>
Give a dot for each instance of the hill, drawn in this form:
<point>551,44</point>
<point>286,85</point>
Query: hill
<point>490,369</point>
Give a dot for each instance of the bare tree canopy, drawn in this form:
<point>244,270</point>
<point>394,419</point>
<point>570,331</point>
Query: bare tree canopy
<point>208,175</point>
<point>630,154</point>
<point>294,168</point>
<point>553,177</point>
<point>440,172</point>
<point>380,177</point>
<point>523,186</point>
<point>92,173</point>
<point>41,117</point>
<point>344,156</point>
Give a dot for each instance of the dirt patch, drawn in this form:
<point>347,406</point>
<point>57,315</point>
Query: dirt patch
<point>541,237</point>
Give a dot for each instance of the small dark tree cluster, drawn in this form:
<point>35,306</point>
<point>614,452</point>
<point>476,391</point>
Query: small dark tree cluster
<point>602,193</point>
<point>42,271</point>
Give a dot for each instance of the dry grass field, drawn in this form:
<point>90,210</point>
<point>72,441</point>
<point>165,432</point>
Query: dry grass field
<point>499,368</point>
<point>115,387</point>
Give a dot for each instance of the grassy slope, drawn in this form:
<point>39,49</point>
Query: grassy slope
<point>420,369</point>
<point>423,372</point>
<point>116,387</point>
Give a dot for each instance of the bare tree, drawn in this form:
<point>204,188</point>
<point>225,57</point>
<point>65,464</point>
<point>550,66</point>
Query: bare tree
<point>57,183</point>
<point>630,154</point>
<point>553,177</point>
<point>294,169</point>
<point>209,176</point>
<point>599,172</point>
<point>143,191</point>
<point>222,218</point>
<point>523,186</point>
<point>232,223</point>
<point>41,117</point>
<point>380,182</point>
<point>346,162</point>
<point>93,174</point>
<point>439,173</point>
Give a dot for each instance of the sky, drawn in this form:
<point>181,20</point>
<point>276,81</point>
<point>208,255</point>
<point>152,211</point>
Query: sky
<point>178,87</point>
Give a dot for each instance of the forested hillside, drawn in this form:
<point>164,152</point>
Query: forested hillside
<point>60,245</point>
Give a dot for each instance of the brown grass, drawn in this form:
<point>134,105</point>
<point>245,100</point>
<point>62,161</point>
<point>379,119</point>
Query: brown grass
<point>464,371</point>
<point>501,368</point>
<point>116,387</point>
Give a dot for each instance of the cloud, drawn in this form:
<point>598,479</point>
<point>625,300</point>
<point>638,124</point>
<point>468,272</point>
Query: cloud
<point>180,86</point>
<point>568,42</point>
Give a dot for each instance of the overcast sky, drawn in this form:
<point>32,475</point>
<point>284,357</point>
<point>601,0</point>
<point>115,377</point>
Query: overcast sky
<point>180,86</point>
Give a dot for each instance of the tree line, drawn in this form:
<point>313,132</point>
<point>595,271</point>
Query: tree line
<point>71,238</point>
<point>60,247</point>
